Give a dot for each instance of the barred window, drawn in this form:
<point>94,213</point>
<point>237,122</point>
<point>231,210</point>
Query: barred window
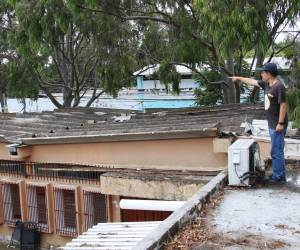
<point>94,209</point>
<point>16,206</point>
<point>37,206</point>
<point>65,211</point>
<point>11,203</point>
<point>8,167</point>
<point>69,208</point>
<point>41,204</point>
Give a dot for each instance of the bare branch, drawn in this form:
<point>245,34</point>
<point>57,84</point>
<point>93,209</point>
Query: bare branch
<point>201,74</point>
<point>88,74</point>
<point>94,98</point>
<point>279,22</point>
<point>42,84</point>
<point>59,71</point>
<point>284,47</point>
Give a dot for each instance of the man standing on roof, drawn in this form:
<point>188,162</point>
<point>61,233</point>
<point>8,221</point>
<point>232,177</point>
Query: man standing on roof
<point>275,106</point>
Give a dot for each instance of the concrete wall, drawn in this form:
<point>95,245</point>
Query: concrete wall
<point>55,240</point>
<point>5,232</point>
<point>265,149</point>
<point>4,152</point>
<point>192,154</point>
<point>161,190</point>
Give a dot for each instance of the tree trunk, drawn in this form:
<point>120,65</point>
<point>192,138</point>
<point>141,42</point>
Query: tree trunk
<point>3,102</point>
<point>254,96</point>
<point>23,101</point>
<point>231,95</point>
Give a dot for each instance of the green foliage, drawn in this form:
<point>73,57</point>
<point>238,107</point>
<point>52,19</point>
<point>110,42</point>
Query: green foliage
<point>208,94</point>
<point>70,50</point>
<point>293,94</point>
<point>168,75</point>
<point>75,45</point>
<point>20,82</point>
<point>293,98</point>
<point>296,123</point>
<point>295,74</point>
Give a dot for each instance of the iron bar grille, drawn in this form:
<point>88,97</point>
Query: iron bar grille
<point>51,171</point>
<point>56,171</point>
<point>37,206</point>
<point>65,212</point>
<point>13,168</point>
<point>94,209</point>
<point>11,203</point>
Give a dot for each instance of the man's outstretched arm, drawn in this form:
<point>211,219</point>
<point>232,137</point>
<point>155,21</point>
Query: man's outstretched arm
<point>246,80</point>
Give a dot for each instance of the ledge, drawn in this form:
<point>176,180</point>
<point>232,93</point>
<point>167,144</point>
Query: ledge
<point>155,135</point>
<point>183,215</point>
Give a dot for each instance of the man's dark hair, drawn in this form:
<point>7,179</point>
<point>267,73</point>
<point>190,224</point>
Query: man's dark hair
<point>274,74</point>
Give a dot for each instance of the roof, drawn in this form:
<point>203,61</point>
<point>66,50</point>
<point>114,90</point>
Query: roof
<point>121,236</point>
<point>282,63</point>
<point>151,69</point>
<point>95,125</point>
<point>265,217</point>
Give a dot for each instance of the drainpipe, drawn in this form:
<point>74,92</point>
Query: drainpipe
<point>151,205</point>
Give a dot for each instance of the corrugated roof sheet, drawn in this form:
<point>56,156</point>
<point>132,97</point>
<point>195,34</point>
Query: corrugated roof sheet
<point>116,236</point>
<point>91,125</point>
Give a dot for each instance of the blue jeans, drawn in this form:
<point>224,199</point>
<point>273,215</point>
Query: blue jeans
<point>277,153</point>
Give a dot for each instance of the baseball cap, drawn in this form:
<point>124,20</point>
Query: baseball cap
<point>270,67</point>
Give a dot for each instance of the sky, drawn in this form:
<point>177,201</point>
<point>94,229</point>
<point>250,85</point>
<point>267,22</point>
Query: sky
<point>289,30</point>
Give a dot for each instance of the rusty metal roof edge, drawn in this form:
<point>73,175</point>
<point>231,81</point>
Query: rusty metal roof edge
<point>153,135</point>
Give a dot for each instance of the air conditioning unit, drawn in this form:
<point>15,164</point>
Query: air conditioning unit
<point>245,167</point>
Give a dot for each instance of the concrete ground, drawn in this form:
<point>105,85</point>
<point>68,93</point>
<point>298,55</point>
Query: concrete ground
<point>262,215</point>
<point>266,217</point>
<point>3,246</point>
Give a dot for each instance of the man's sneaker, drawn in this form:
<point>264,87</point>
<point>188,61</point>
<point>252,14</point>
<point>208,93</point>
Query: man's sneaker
<point>283,180</point>
<point>272,181</point>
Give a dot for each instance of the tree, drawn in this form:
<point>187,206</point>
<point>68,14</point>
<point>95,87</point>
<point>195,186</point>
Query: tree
<point>70,51</point>
<point>208,94</point>
<point>5,50</point>
<point>293,53</point>
<point>215,33</point>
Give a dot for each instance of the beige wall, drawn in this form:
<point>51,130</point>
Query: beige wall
<point>5,232</point>
<point>195,154</point>
<point>192,154</point>
<point>53,240</point>
<point>151,189</point>
<point>4,152</point>
<point>265,149</point>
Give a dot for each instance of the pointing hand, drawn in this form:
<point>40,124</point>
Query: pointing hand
<point>233,78</point>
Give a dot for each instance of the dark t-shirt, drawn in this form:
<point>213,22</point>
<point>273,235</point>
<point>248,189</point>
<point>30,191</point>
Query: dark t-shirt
<point>274,95</point>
